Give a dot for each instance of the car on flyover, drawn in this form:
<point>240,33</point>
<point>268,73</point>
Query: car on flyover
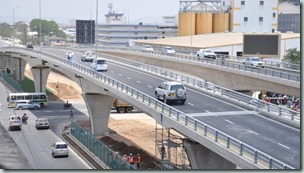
<point>171,91</point>
<point>99,64</point>
<point>42,123</point>
<point>253,62</point>
<point>168,50</point>
<point>147,48</point>
<point>88,56</point>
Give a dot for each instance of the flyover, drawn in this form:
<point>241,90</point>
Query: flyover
<point>99,87</point>
<point>230,75</point>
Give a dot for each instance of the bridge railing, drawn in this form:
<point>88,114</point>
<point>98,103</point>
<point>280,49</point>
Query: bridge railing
<point>206,131</point>
<point>228,64</point>
<point>218,90</point>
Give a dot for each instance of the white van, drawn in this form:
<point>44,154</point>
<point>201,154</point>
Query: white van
<point>99,64</point>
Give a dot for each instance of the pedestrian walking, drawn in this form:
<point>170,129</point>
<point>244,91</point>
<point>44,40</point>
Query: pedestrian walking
<point>138,161</point>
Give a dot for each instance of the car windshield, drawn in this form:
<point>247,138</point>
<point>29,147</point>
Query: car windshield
<point>176,87</point>
<point>255,59</point>
<point>208,51</point>
<point>61,146</point>
<point>148,46</point>
<point>169,48</point>
<point>42,120</point>
<point>101,61</point>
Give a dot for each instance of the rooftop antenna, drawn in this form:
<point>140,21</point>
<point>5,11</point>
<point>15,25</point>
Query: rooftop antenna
<point>110,6</point>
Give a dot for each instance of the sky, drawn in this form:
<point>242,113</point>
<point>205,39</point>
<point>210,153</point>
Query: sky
<point>62,10</point>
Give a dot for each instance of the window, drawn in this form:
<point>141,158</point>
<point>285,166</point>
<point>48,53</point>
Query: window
<point>242,2</point>
<point>245,19</point>
<point>261,19</point>
<point>261,2</point>
<point>273,14</point>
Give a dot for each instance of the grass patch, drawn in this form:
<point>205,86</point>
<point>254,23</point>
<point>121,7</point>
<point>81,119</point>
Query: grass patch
<point>27,85</point>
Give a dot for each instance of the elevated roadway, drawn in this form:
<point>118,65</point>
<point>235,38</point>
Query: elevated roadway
<point>264,139</point>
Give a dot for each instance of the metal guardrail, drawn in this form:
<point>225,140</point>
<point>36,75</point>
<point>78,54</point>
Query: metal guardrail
<point>228,64</point>
<point>206,131</point>
<point>215,89</point>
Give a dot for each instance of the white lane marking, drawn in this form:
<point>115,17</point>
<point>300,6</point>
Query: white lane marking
<point>80,159</point>
<point>254,132</point>
<point>283,145</point>
<point>119,74</point>
<point>138,81</point>
<point>149,86</point>
<point>207,111</point>
<point>129,78</point>
<point>229,121</point>
<point>190,104</point>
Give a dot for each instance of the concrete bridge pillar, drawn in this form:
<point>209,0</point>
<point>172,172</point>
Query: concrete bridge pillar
<point>99,108</point>
<point>40,75</point>
<point>16,65</point>
<point>201,157</point>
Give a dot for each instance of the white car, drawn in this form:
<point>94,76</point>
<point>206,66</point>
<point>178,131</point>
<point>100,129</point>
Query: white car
<point>15,122</point>
<point>147,48</point>
<point>169,50</point>
<point>171,91</point>
<point>42,123</point>
<point>60,149</point>
<point>254,62</point>
<point>99,64</point>
<point>88,56</point>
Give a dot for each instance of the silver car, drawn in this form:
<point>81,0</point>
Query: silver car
<point>42,123</point>
<point>88,56</point>
<point>26,104</point>
<point>254,62</point>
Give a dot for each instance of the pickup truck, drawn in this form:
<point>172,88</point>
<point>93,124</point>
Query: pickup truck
<point>206,53</point>
<point>15,122</point>
<point>171,91</point>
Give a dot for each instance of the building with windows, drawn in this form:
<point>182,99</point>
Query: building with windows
<point>289,17</point>
<point>205,16</point>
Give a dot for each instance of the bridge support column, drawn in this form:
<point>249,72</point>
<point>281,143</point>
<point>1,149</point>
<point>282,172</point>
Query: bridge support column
<point>15,65</point>
<point>40,75</point>
<point>201,157</point>
<point>99,108</point>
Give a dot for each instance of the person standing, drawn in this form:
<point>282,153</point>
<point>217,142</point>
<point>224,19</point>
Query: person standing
<point>138,161</point>
<point>124,161</point>
<point>131,159</point>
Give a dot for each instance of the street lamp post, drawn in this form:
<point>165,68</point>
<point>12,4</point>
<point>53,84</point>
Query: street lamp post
<point>14,26</point>
<point>96,29</point>
<point>40,24</point>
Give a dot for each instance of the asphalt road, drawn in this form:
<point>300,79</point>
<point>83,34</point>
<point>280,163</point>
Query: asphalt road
<point>276,139</point>
<point>35,145</point>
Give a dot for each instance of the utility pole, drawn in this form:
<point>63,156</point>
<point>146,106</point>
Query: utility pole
<point>96,28</point>
<point>40,24</point>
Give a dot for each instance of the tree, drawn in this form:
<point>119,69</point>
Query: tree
<point>22,29</point>
<point>6,30</point>
<point>47,27</point>
<point>292,56</point>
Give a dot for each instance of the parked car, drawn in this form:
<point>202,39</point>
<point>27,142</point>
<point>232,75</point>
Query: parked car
<point>171,91</point>
<point>253,62</point>
<point>88,56</point>
<point>169,50</point>
<point>42,123</point>
<point>15,122</point>
<point>99,64</point>
<point>26,104</point>
<point>147,48</point>
<point>30,46</point>
<point>60,149</point>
